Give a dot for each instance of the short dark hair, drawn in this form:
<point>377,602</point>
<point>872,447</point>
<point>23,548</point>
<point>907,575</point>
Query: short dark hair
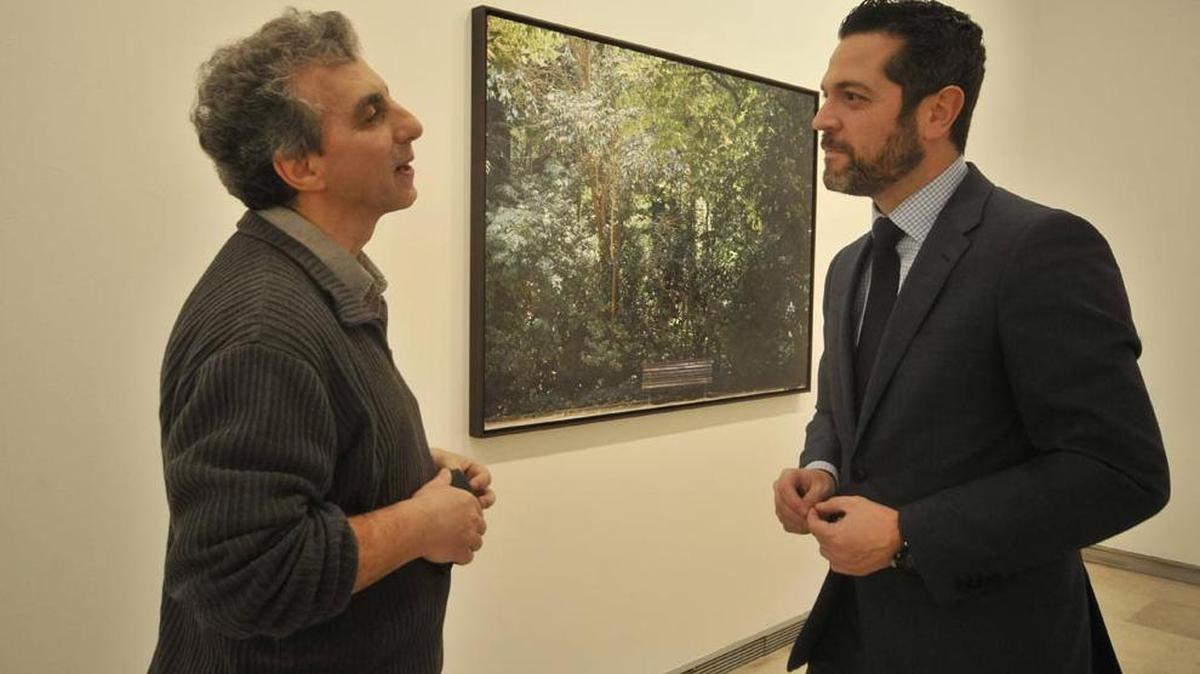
<point>245,108</point>
<point>942,47</point>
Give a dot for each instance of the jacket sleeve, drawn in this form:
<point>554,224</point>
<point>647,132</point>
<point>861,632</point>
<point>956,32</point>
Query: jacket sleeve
<point>255,549</point>
<point>820,439</point>
<point>820,436</point>
<point>1097,465</point>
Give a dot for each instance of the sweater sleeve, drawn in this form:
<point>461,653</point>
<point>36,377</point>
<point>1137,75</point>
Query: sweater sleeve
<point>255,547</point>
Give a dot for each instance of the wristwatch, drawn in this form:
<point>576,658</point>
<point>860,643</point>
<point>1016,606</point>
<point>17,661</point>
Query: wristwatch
<point>902,559</point>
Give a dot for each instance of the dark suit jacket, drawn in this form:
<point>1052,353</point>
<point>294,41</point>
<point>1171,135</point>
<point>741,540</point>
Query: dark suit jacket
<point>1008,422</point>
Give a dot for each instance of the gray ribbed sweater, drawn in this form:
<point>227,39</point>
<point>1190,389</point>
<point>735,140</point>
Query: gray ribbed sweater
<point>282,414</point>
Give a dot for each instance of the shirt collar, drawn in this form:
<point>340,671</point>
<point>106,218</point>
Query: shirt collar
<point>916,214</point>
<point>358,274</point>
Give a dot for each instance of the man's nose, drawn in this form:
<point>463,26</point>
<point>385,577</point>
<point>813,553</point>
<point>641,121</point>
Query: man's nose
<point>408,127</point>
<point>823,120</point>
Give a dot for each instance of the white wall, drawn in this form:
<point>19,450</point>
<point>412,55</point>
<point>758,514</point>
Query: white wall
<point>625,546</point>
<point>1116,139</point>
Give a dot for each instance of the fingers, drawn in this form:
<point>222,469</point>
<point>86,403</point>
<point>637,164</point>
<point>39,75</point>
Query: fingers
<point>481,477</point>
<point>470,539</point>
<point>801,488</point>
<point>814,522</point>
<point>817,486</point>
<point>785,506</point>
<point>487,499</point>
<point>796,492</point>
<point>819,525</point>
<point>835,508</point>
<point>812,497</point>
<point>443,477</point>
<point>467,554</point>
<point>826,507</point>
<point>481,483</point>
<point>787,489</point>
<point>792,522</point>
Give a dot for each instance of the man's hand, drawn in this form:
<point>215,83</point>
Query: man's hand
<point>796,491</point>
<point>453,518</point>
<point>477,473</point>
<point>857,536</point>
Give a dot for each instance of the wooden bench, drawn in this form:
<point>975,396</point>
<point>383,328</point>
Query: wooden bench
<point>672,374</point>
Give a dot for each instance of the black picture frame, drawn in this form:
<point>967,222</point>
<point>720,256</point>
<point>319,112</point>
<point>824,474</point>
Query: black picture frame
<point>541,355</point>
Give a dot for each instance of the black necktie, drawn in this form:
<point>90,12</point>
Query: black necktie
<point>885,281</point>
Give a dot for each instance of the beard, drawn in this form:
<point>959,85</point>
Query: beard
<point>865,178</point>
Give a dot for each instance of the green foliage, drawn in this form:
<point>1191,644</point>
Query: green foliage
<point>638,211</point>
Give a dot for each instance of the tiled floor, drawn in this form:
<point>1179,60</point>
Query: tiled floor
<point>1154,624</point>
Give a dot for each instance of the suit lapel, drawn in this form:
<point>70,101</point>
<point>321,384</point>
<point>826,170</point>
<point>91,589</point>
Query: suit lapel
<point>939,254</point>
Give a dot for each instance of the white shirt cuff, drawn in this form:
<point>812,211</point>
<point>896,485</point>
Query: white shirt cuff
<point>827,467</point>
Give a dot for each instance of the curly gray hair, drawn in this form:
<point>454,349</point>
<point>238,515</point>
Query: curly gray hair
<point>245,109</point>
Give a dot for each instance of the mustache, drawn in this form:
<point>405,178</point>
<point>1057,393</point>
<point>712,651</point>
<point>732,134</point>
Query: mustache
<point>828,143</point>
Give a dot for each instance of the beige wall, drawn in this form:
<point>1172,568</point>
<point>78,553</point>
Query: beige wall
<point>625,546</point>
<point>1116,139</point>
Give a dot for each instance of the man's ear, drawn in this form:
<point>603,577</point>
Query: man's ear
<point>938,112</point>
<point>302,173</point>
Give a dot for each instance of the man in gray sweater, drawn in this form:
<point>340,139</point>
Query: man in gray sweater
<point>312,527</point>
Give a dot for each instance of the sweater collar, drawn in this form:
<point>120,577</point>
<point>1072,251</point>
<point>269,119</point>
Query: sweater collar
<point>355,296</point>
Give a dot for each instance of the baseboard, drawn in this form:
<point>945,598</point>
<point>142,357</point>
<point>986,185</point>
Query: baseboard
<point>747,650</point>
<point>1145,564</point>
<point>769,640</point>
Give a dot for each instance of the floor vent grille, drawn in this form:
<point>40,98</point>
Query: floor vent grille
<point>746,651</point>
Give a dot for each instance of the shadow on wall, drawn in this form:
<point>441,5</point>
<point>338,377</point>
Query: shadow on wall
<point>590,435</point>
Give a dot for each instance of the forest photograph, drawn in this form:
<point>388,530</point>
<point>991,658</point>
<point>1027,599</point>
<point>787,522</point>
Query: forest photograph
<point>647,229</point>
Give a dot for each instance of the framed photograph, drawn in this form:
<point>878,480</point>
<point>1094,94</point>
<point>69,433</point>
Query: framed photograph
<point>642,229</point>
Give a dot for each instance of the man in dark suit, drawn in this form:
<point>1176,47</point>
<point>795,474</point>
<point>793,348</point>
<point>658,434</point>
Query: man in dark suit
<point>980,414</point>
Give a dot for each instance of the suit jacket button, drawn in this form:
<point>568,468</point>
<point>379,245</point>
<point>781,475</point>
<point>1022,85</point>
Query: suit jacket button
<point>859,473</point>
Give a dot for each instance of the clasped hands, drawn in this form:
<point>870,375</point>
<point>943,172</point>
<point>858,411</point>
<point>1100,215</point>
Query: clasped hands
<point>856,535</point>
<point>455,516</point>
<point>477,474</point>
